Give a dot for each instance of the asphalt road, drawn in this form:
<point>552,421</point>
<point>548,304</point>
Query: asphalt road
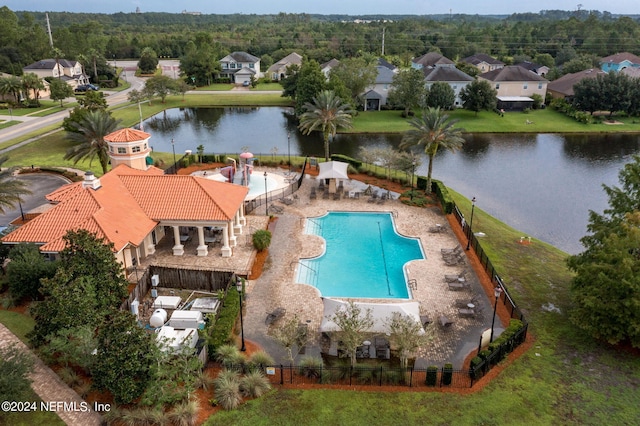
<point>40,185</point>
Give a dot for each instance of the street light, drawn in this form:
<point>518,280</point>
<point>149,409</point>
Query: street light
<point>239,288</point>
<point>413,169</point>
<point>175,167</point>
<point>496,292</point>
<point>473,204</point>
<point>266,196</point>
<point>289,148</point>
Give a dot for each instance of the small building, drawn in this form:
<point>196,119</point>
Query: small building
<point>278,71</point>
<point>240,67</point>
<point>455,78</point>
<point>541,70</point>
<point>563,86</point>
<point>69,71</point>
<point>135,205</point>
<point>328,66</point>
<point>514,84</point>
<point>619,61</point>
<point>483,62</point>
<point>376,97</point>
<point>432,59</point>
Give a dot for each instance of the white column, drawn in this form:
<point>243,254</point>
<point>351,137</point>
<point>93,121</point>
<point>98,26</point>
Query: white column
<point>178,248</point>
<point>232,237</point>
<point>243,220</point>
<point>202,247</point>
<point>226,250</point>
<point>237,225</point>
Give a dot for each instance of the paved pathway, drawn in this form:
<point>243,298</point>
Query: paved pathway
<point>51,389</point>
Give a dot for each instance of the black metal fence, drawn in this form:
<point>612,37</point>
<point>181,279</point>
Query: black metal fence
<point>278,194</point>
<point>362,375</point>
<point>505,298</point>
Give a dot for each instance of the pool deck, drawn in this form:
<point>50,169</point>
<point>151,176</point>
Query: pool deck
<point>276,287</point>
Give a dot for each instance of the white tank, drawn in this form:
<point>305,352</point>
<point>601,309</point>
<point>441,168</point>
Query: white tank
<point>158,318</point>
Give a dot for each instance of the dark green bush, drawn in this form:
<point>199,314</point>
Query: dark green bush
<point>432,376</point>
<point>421,182</point>
<point>443,195</point>
<point>447,374</point>
<point>345,159</point>
<point>220,333</point>
<point>261,239</point>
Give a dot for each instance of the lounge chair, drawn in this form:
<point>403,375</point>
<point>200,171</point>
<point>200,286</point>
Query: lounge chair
<point>464,303</point>
<point>455,250</point>
<point>456,278</point>
<point>276,209</point>
<point>313,195</point>
<point>467,312</point>
<point>325,194</point>
<point>437,229</point>
<point>453,259</point>
<point>456,286</point>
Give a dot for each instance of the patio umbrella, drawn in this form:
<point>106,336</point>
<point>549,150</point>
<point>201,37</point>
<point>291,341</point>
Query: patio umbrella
<point>333,170</point>
<point>246,155</point>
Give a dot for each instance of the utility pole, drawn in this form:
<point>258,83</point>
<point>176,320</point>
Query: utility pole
<point>49,30</point>
<point>383,29</point>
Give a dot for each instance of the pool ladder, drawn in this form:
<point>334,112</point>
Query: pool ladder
<point>315,273</point>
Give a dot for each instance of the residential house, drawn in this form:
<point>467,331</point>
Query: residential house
<point>240,67</point>
<point>483,62</point>
<point>135,205</point>
<point>328,66</point>
<point>541,70</point>
<point>376,96</point>
<point>455,78</point>
<point>563,86</point>
<point>631,72</point>
<point>69,71</point>
<point>431,59</point>
<point>619,61</point>
<point>384,63</point>
<point>278,70</point>
<point>515,86</point>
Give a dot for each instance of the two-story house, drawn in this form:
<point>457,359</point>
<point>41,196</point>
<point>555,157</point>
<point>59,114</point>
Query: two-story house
<point>431,59</point>
<point>515,86</point>
<point>240,67</point>
<point>69,71</point>
<point>376,96</point>
<point>619,61</point>
<point>278,70</point>
<point>483,62</point>
<point>563,87</point>
<point>455,78</point>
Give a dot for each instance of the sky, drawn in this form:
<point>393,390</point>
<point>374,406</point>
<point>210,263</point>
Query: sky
<point>325,7</point>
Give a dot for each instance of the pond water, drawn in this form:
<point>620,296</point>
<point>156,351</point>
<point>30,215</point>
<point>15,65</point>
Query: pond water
<point>541,184</point>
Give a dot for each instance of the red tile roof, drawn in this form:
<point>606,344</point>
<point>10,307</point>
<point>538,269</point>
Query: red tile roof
<point>127,135</point>
<point>128,205</point>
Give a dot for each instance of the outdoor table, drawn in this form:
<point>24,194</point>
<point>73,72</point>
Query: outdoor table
<point>471,305</point>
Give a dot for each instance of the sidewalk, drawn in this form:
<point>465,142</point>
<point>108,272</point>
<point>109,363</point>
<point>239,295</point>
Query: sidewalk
<point>51,389</point>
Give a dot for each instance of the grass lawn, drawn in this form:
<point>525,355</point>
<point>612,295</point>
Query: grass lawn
<point>19,324</point>
<point>5,124</point>
<point>566,378</point>
<point>215,87</point>
<point>267,86</point>
<point>543,121</point>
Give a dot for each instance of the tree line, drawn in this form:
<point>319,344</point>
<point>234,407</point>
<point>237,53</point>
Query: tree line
<point>563,36</point>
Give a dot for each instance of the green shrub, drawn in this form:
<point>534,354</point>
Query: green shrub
<point>432,376</point>
<point>443,195</point>
<point>345,159</point>
<point>254,384</point>
<point>259,360</point>
<point>421,182</point>
<point>310,367</point>
<point>447,374</point>
<point>261,239</point>
<point>227,390</point>
<point>221,333</point>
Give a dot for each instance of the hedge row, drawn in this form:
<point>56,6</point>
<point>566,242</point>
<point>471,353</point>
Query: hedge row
<point>221,332</point>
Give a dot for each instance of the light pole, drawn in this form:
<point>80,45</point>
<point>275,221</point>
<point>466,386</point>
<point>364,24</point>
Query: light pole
<point>266,196</point>
<point>289,148</point>
<point>413,169</point>
<point>175,167</point>
<point>473,205</point>
<point>239,288</point>
<point>496,292</point>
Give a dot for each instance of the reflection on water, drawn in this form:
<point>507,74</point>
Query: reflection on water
<point>543,185</point>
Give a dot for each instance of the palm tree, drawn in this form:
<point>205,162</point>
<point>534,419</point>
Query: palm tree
<point>327,113</point>
<point>433,129</point>
<point>11,85</point>
<point>92,129</point>
<point>11,190</point>
<point>31,81</point>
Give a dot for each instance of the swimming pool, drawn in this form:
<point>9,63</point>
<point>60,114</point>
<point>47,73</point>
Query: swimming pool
<point>364,256</point>
<point>256,183</point>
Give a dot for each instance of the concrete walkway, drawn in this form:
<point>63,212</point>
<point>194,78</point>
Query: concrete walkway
<point>52,390</point>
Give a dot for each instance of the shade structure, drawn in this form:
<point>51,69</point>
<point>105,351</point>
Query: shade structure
<point>380,312</point>
<point>333,170</point>
<point>246,155</point>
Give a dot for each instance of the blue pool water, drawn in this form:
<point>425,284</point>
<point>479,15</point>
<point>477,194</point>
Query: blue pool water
<point>364,256</point>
